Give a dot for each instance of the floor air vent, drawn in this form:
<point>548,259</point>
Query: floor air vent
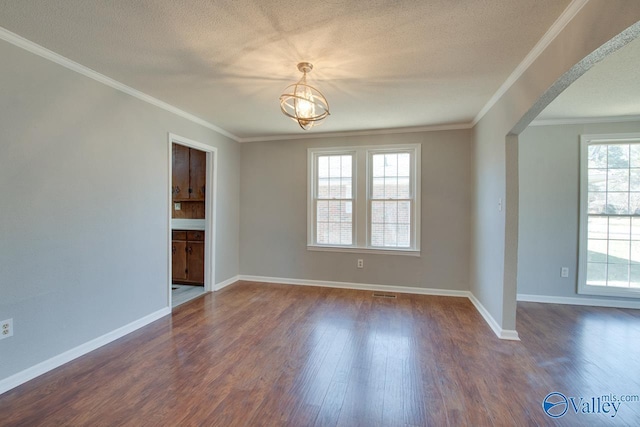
<point>379,295</point>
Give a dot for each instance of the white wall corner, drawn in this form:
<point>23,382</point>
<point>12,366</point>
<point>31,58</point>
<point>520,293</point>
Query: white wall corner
<point>43,367</point>
<point>503,334</point>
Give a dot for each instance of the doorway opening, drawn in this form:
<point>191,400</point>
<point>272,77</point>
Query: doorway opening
<point>192,170</point>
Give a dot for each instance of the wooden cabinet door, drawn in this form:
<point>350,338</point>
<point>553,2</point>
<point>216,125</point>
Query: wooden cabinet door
<point>180,172</point>
<point>198,176</point>
<point>179,260</point>
<point>195,261</point>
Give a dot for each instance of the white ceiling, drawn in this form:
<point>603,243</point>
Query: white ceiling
<point>610,89</point>
<point>382,64</point>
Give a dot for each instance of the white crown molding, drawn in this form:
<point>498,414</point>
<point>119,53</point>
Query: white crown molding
<point>69,355</point>
<point>43,52</point>
<point>567,15</point>
<point>584,120</point>
<point>593,302</point>
<point>392,131</point>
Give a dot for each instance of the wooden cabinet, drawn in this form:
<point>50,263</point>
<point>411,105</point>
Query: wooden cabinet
<point>189,176</point>
<point>187,257</point>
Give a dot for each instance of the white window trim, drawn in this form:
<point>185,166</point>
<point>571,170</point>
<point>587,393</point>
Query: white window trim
<point>360,188</point>
<point>583,287</point>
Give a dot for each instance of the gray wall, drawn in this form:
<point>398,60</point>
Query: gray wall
<point>273,234</point>
<point>493,275</point>
<point>84,207</point>
<point>549,159</point>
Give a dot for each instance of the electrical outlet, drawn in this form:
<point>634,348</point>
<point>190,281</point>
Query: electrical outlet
<point>6,328</point>
<point>177,206</point>
<point>360,263</point>
<point>564,272</point>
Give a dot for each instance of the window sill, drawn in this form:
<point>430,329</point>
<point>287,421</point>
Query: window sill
<point>403,252</point>
<point>609,291</point>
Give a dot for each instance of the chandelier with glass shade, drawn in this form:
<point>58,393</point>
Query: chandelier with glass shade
<point>303,103</point>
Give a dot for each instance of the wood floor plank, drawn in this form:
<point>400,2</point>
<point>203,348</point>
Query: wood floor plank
<point>258,354</point>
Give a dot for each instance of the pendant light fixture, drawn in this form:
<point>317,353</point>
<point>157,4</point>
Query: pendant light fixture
<point>304,103</point>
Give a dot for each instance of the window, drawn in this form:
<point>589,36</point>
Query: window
<point>610,215</point>
<point>364,199</point>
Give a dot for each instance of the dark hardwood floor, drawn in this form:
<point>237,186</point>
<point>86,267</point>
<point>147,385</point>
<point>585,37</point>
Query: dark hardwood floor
<point>270,355</point>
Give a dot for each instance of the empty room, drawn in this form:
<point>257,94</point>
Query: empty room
<point>388,213</point>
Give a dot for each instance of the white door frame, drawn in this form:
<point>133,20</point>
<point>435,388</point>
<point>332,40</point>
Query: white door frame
<point>211,193</point>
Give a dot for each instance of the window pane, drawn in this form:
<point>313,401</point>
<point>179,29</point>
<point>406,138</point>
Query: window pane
<point>345,211</point>
<point>391,188</point>
<point>618,252</point>
<point>617,203</point>
<point>334,211</point>
<point>346,166</point>
<point>404,188</point>
<point>620,228</point>
<point>597,156</point>
<point>403,236</point>
<point>334,188</point>
<point>634,156</point>
<point>377,188</point>
<point>634,179</point>
<point>597,180</point>
<point>635,228</point>
<point>597,202</point>
<point>634,276</point>
<point>334,233</point>
<point>377,234</point>
<point>596,274</point>
<point>635,252</point>
<point>390,234</point>
<point>618,275</point>
<point>391,212</point>
<point>323,188</point>
<point>323,233</point>
<point>322,214</point>
<point>323,167</point>
<point>618,156</point>
<point>598,228</point>
<point>345,234</point>
<point>378,165</point>
<point>335,166</point>
<point>377,212</point>
<point>618,180</point>
<point>390,164</point>
<point>596,250</point>
<point>634,203</point>
<point>404,164</point>
<point>404,212</point>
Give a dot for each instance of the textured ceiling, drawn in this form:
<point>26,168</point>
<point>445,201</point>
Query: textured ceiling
<point>380,63</point>
<point>610,89</point>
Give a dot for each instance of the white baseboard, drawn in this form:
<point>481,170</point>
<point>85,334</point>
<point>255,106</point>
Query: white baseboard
<point>594,302</point>
<point>59,360</point>
<point>500,333</point>
<point>357,286</point>
<point>503,334</point>
<point>226,283</point>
